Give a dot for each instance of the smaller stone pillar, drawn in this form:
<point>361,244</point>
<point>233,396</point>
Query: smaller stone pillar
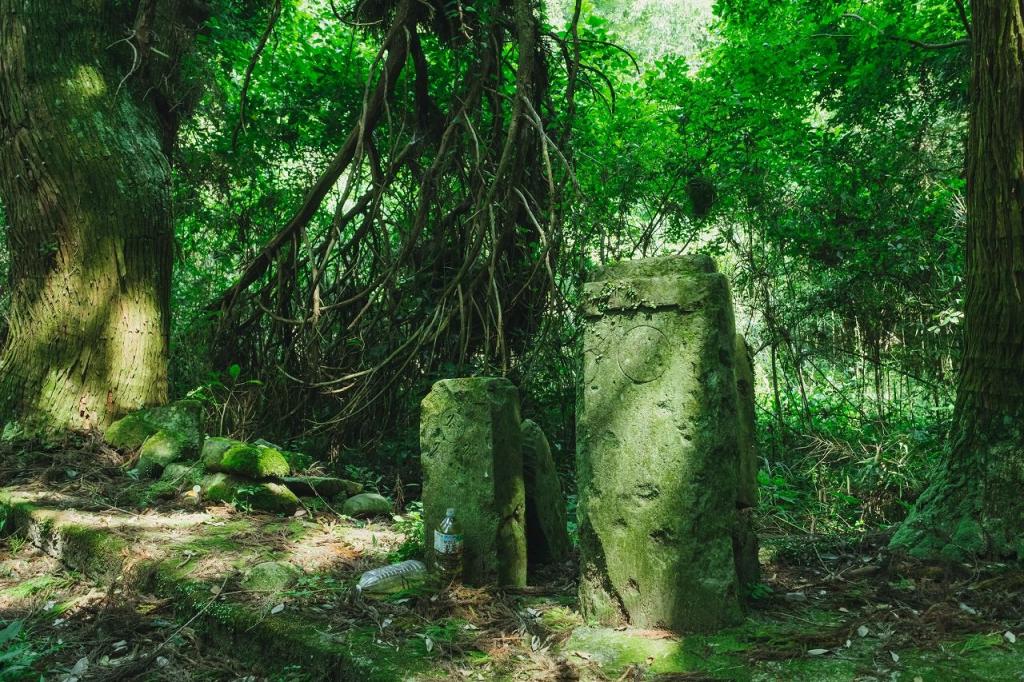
<point>547,539</point>
<point>472,460</point>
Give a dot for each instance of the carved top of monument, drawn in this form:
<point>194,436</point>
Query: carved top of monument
<point>681,282</point>
<point>661,266</point>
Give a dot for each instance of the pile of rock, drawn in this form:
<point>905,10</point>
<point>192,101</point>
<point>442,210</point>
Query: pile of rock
<point>260,474</point>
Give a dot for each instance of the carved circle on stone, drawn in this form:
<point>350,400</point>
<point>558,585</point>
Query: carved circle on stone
<point>642,354</point>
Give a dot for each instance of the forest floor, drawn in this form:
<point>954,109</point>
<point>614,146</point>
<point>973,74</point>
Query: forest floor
<point>107,582</point>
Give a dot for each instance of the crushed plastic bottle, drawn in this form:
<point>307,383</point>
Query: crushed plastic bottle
<point>400,576</point>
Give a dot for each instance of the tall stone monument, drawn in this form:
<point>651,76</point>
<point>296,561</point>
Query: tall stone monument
<point>472,460</point>
<point>657,446</point>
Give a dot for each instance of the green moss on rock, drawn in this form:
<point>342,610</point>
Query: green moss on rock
<point>263,496</point>
<point>472,460</point>
<point>159,450</point>
<point>366,504</point>
<point>250,460</point>
<point>213,450</point>
<point>657,447</point>
<point>271,577</point>
<point>321,486</point>
<point>129,433</point>
<point>180,420</point>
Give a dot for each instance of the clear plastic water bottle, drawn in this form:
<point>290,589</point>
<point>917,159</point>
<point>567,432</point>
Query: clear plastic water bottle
<point>400,576</point>
<point>448,545</point>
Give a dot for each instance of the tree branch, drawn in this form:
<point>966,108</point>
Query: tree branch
<point>910,41</point>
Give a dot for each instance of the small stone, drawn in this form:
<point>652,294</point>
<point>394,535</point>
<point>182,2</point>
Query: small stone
<point>271,576</point>
<point>366,504</point>
<point>321,486</point>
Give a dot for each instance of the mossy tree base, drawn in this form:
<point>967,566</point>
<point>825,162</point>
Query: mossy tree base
<point>973,510</point>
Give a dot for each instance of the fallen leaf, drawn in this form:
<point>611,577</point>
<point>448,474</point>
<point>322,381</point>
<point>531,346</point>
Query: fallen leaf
<point>277,609</point>
<point>1010,637</point>
<point>817,652</point>
<point>895,657</point>
<point>81,665</point>
<point>863,631</point>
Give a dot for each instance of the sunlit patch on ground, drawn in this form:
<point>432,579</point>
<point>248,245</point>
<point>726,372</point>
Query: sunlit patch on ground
<point>166,589</point>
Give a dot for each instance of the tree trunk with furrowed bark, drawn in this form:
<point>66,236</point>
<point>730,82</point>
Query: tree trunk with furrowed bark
<point>88,112</point>
<point>975,507</point>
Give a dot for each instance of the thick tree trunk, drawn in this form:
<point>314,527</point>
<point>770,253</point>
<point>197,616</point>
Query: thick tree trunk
<point>976,507</point>
<point>85,184</point>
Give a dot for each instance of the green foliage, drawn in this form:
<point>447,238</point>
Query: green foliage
<point>17,653</point>
<point>409,524</point>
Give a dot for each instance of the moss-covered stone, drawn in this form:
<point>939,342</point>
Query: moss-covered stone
<point>472,460</point>
<point>214,448</point>
<point>180,421</point>
<point>322,486</point>
<point>657,449</point>
<point>547,537</point>
<point>366,504</point>
<point>274,498</point>
<point>129,432</point>
<point>179,473</point>
<point>159,450</point>
<point>263,496</point>
<point>249,460</point>
<point>271,577</point>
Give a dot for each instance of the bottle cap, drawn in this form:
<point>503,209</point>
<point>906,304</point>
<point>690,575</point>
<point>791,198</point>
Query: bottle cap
<point>450,512</point>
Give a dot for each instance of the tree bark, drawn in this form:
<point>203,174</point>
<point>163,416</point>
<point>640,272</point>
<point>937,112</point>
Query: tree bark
<point>87,117</point>
<point>975,507</point>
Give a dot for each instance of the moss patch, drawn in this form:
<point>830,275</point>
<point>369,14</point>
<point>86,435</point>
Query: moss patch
<point>251,461</point>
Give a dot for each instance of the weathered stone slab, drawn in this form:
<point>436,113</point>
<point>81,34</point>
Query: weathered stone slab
<point>472,461</point>
<point>747,434</point>
<point>657,446</point>
<point>745,546</point>
<point>547,539</point>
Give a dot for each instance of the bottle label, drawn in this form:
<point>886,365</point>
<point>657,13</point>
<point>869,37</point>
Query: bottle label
<point>447,544</point>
